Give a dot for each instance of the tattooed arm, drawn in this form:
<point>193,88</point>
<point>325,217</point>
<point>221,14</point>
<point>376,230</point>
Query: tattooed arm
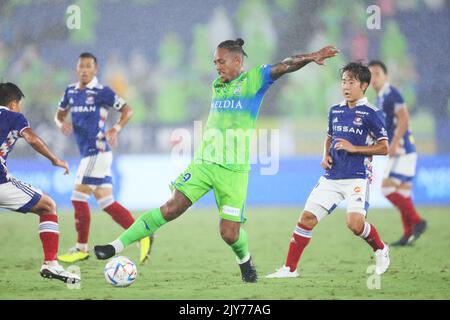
<point>298,61</point>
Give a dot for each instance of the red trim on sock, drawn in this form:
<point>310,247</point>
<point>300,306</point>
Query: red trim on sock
<point>50,240</point>
<point>119,214</point>
<point>296,247</point>
<point>373,239</point>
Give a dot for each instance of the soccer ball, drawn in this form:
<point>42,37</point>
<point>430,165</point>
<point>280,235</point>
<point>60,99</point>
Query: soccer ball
<point>120,272</point>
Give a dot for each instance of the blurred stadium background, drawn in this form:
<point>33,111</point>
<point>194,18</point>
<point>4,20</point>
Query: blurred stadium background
<point>157,54</point>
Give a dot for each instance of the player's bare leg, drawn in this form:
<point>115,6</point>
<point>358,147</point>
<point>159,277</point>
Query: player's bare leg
<point>49,235</point>
<point>145,225</point>
<point>357,223</point>
<point>399,194</point>
<point>299,240</point>
<point>236,237</point>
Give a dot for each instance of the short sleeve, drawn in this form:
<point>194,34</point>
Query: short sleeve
<point>20,123</point>
<point>377,125</point>
<point>398,101</point>
<point>111,99</point>
<point>330,125</point>
<point>64,103</point>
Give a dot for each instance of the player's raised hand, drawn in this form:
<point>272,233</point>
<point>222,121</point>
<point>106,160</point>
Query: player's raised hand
<point>343,144</point>
<point>327,162</point>
<point>325,53</point>
<point>112,137</point>
<point>63,164</point>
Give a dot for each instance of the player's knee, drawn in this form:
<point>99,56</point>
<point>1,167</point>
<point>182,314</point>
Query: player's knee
<point>308,219</point>
<point>171,210</point>
<point>45,206</point>
<point>228,235</point>
<point>355,225</point>
<point>388,186</point>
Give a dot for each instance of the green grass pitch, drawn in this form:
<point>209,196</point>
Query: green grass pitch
<point>190,260</point>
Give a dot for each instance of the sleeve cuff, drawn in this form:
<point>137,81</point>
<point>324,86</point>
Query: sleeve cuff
<point>20,132</point>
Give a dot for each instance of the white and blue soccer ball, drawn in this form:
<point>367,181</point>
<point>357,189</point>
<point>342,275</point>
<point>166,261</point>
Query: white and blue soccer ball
<point>120,272</point>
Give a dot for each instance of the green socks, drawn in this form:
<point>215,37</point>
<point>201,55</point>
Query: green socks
<point>240,247</point>
<point>145,225</point>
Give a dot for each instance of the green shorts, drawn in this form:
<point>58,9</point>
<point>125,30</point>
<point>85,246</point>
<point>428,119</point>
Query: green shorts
<point>230,188</point>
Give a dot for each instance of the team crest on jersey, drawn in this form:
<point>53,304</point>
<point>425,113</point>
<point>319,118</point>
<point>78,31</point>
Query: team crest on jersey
<point>358,121</point>
<point>335,120</point>
<point>90,99</point>
<point>71,101</point>
<point>237,91</point>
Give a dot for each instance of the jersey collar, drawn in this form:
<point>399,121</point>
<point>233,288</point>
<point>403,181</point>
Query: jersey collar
<point>3,107</point>
<point>90,85</point>
<point>360,102</point>
<point>385,89</point>
<point>232,81</point>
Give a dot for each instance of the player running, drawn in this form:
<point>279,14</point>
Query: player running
<point>236,99</point>
<point>89,103</point>
<point>348,149</point>
<point>401,166</point>
<point>21,197</point>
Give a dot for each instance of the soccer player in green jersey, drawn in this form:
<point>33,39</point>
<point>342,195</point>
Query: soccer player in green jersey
<point>221,163</point>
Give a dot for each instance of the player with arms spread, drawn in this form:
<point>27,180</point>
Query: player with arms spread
<point>236,99</point>
<point>401,166</point>
<point>21,197</point>
<point>89,103</point>
<point>348,149</point>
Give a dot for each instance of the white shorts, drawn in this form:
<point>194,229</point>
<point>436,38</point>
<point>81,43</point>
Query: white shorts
<point>18,196</point>
<point>328,194</point>
<point>95,171</point>
<point>401,168</point>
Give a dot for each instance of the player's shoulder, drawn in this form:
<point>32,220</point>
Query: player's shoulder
<point>71,87</point>
<point>12,117</point>
<point>338,107</point>
<point>370,108</point>
<point>394,93</point>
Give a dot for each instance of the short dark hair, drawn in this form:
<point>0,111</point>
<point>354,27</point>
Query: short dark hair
<point>88,55</point>
<point>379,64</point>
<point>233,46</point>
<point>358,70</point>
<point>9,92</point>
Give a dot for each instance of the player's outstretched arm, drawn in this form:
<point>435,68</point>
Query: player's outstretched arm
<point>63,125</point>
<point>298,61</point>
<point>381,148</point>
<point>125,115</point>
<point>40,146</point>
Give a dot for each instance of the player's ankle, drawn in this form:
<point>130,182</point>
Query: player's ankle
<point>118,246</point>
<point>51,263</point>
<point>83,247</point>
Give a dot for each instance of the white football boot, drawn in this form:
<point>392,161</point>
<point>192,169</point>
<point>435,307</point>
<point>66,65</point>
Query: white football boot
<point>283,272</point>
<point>382,260</point>
<point>58,272</point>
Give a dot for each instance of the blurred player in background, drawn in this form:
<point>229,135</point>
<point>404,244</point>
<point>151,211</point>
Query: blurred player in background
<point>89,103</point>
<point>348,149</point>
<point>401,166</point>
<point>236,99</point>
<point>21,197</point>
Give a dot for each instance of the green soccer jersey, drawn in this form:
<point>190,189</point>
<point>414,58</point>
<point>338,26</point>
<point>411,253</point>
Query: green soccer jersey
<point>231,122</point>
